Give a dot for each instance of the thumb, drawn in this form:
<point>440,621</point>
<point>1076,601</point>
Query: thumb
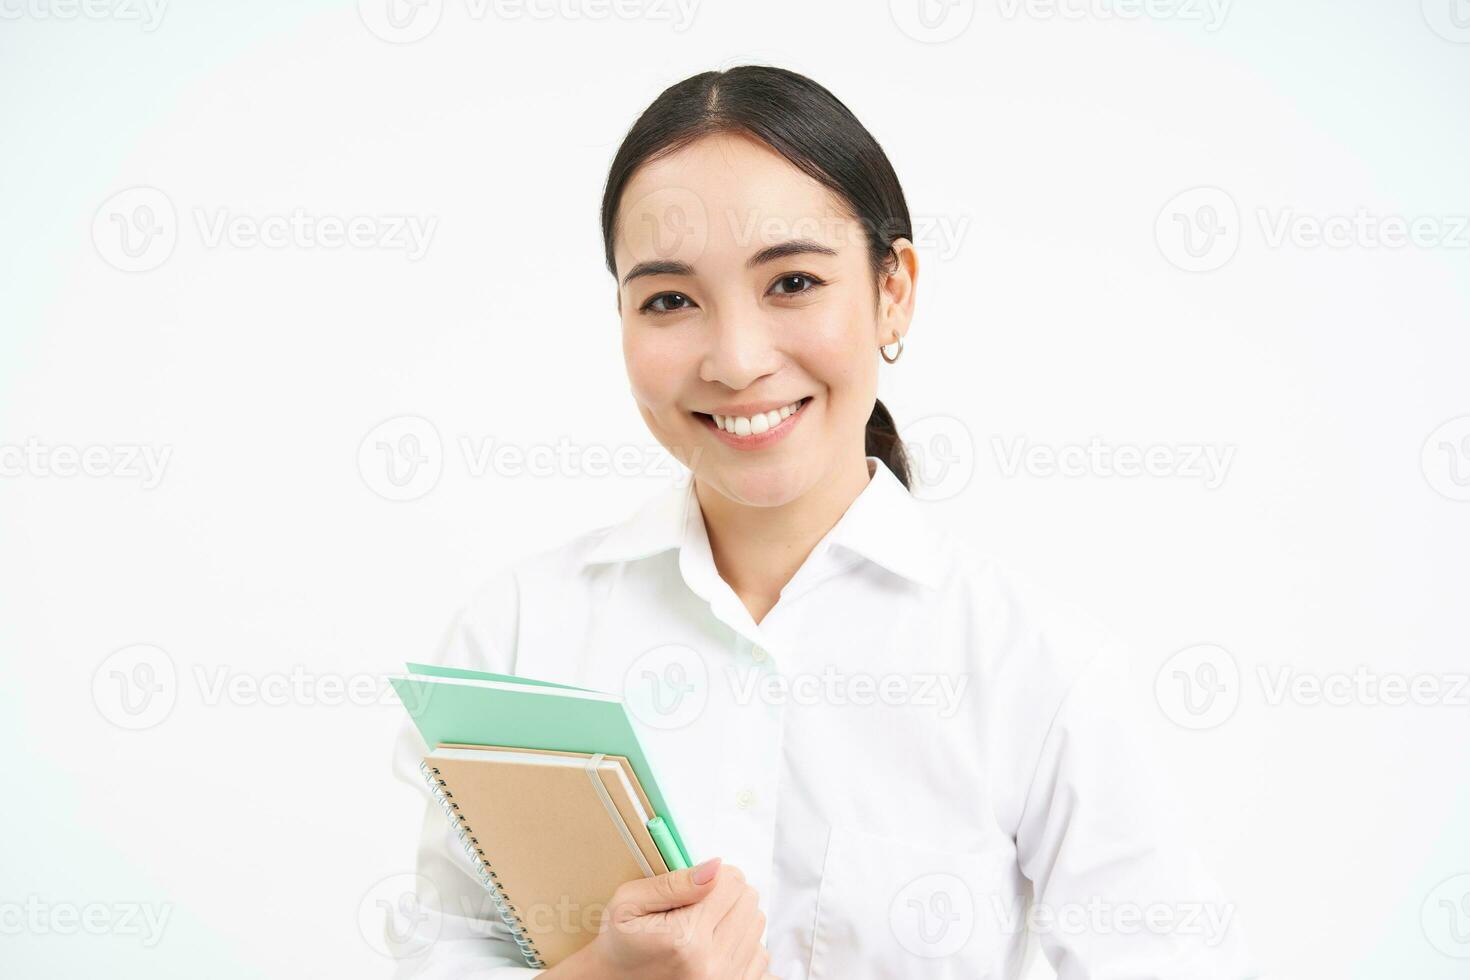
<point>672,890</point>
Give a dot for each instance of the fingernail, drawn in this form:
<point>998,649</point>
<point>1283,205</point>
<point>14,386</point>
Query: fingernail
<point>704,872</point>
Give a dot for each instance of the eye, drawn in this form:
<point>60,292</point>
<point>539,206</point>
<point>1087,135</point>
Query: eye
<point>650,307</point>
<point>796,279</point>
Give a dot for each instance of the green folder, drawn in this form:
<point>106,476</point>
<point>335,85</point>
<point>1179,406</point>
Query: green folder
<point>470,707</point>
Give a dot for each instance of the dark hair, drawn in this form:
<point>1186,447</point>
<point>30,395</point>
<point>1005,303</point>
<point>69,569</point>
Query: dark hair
<point>807,125</point>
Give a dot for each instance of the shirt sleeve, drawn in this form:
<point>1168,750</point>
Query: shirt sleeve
<point>1117,893</point>
<point>452,929</point>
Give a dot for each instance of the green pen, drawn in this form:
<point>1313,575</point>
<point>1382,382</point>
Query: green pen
<point>664,841</point>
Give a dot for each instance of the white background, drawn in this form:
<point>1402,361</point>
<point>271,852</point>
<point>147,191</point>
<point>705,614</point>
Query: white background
<point>1046,156</point>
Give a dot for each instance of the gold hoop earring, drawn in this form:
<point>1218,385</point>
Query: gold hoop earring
<point>883,350</point>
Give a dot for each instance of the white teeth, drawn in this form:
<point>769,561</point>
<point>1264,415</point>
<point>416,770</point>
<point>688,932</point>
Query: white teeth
<point>756,424</point>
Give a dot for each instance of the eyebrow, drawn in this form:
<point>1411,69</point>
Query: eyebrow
<point>781,250</point>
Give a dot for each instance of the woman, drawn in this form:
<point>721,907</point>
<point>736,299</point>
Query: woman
<point>898,761</point>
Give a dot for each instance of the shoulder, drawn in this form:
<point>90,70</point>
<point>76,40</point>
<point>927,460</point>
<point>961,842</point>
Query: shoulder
<point>1027,635</point>
<point>556,567</point>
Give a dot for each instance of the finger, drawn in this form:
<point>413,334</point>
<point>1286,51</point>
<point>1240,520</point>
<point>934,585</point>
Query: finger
<point>750,942</point>
<point>729,885</point>
<point>734,924</point>
<point>756,968</point>
<point>673,890</point>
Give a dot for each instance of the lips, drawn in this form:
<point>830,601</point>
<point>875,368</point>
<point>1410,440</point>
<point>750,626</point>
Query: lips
<point>757,429</point>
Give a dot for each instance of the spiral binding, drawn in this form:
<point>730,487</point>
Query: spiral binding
<point>488,878</point>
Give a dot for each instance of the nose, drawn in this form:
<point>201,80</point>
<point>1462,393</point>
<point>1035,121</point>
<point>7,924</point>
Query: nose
<point>740,350</point>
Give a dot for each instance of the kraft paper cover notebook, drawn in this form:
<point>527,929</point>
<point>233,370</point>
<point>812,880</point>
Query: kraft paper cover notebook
<point>466,707</point>
<point>553,835</point>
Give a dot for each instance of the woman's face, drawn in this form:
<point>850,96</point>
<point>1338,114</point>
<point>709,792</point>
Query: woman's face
<point>744,290</point>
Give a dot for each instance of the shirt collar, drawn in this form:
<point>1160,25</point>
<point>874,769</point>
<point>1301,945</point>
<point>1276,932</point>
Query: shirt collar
<point>884,524</point>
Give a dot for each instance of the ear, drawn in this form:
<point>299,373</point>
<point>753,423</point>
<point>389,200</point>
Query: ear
<point>896,291</point>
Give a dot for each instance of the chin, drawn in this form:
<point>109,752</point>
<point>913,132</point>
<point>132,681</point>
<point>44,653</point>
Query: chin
<point>764,483</point>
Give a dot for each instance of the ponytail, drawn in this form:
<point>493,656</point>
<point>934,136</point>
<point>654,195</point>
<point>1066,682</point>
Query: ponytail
<point>882,441</point>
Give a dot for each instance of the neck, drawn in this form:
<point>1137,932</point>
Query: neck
<point>758,549</point>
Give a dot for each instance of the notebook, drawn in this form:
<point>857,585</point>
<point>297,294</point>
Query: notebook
<point>511,764</point>
<point>454,706</point>
<point>553,835</point>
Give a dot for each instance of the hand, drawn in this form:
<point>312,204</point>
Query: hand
<point>701,923</point>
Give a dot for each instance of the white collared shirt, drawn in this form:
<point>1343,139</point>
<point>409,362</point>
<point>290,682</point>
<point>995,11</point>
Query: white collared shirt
<point>916,760</point>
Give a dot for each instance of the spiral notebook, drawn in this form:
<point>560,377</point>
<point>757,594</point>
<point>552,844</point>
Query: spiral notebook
<point>552,835</point>
<point>551,843</point>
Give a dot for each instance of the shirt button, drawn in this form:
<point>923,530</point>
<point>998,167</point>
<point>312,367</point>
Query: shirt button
<point>759,655</point>
<point>745,799</point>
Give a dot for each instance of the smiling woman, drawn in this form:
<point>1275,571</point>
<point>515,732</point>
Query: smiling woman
<point>785,620</point>
<point>766,253</point>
